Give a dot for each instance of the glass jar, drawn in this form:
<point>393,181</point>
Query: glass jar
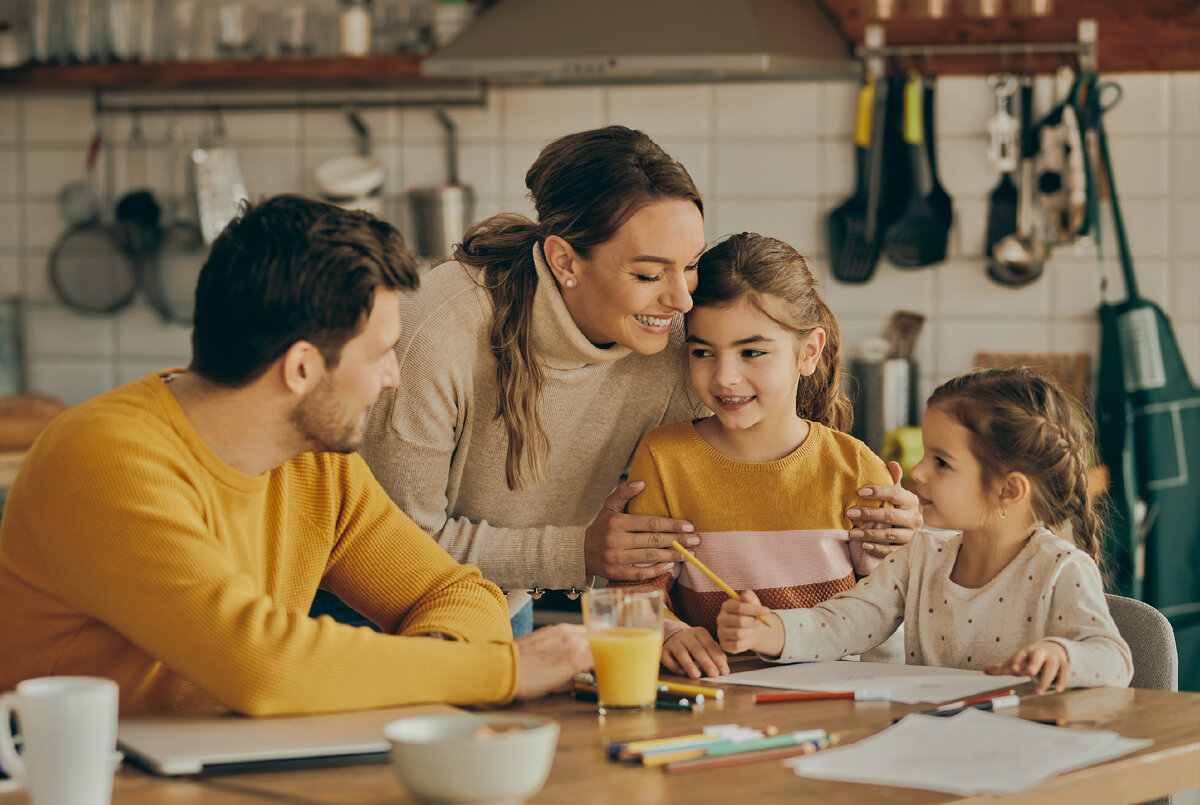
<point>354,26</point>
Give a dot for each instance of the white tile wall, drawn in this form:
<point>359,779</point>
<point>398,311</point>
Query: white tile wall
<point>772,158</point>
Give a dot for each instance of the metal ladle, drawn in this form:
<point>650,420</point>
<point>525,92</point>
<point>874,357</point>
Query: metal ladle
<point>1019,258</point>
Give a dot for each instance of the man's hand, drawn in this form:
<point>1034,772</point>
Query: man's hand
<point>1045,661</point>
<point>615,541</point>
<point>883,530</point>
<point>549,658</point>
<point>693,652</point>
<point>739,629</point>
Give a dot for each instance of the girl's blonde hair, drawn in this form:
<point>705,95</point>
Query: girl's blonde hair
<point>584,187</point>
<point>1021,420</point>
<point>754,267</point>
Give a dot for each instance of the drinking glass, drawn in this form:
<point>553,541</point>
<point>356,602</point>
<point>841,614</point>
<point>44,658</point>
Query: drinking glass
<point>624,628</point>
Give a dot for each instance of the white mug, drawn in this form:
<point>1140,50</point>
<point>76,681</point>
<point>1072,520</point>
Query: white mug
<point>69,731</point>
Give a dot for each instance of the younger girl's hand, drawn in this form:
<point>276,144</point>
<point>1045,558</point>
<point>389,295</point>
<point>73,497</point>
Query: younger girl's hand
<point>1045,661</point>
<point>693,652</point>
<point>738,627</point>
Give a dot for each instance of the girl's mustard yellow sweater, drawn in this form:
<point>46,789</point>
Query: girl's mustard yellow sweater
<point>129,550</point>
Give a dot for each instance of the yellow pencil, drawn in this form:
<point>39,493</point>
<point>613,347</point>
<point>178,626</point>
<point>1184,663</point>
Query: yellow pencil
<point>703,568</point>
<point>691,690</point>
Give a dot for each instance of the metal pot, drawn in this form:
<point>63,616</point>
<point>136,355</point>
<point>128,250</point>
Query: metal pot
<point>441,213</point>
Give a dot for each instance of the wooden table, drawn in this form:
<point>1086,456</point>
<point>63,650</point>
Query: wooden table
<point>582,774</point>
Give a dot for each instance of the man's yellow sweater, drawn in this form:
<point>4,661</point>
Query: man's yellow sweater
<point>130,550</point>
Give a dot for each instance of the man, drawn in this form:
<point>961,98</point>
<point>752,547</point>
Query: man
<point>171,534</point>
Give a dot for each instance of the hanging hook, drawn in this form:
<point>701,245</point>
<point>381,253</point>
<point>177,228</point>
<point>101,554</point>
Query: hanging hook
<point>360,130</point>
<point>930,67</point>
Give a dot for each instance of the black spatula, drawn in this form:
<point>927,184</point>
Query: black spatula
<point>852,255</point>
<point>918,237</point>
<point>938,198</point>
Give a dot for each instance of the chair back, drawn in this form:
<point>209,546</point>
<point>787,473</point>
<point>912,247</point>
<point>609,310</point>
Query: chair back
<point>1151,641</point>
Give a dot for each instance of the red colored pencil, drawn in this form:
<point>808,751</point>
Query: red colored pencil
<point>816,695</point>
<point>986,697</point>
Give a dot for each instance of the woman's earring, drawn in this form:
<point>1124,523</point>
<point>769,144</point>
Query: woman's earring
<point>570,283</point>
<point>1003,513</point>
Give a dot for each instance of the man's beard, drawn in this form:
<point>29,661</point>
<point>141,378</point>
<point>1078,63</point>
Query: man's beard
<point>319,421</point>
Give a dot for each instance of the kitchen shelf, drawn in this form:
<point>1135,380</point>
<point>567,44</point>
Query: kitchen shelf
<point>376,71</point>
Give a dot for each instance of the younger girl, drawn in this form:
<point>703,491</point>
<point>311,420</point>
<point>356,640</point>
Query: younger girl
<point>1005,461</point>
<point>767,479</point>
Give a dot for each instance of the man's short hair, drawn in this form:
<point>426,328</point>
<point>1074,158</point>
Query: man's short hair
<point>291,269</point>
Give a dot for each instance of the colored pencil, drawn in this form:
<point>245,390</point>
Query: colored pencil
<point>997,703</point>
<point>985,697</point>
<point>720,761</point>
<point>695,690</point>
<point>703,568</point>
<point>817,695</point>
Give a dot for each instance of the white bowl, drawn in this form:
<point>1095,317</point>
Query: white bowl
<point>450,759</point>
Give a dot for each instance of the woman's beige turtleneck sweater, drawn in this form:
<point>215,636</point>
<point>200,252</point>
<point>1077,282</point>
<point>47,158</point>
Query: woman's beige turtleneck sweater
<point>437,447</point>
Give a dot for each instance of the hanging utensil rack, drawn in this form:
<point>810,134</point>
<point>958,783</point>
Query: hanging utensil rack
<point>874,49</point>
<point>473,96</point>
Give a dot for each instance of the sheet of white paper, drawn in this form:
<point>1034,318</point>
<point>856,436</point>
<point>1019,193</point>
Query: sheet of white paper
<point>909,684</point>
<point>971,753</point>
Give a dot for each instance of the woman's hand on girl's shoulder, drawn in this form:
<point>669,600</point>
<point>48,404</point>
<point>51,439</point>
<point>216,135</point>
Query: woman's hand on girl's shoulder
<point>884,529</point>
<point>632,547</point>
<point>693,652</point>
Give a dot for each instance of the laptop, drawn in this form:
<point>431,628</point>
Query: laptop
<point>221,744</point>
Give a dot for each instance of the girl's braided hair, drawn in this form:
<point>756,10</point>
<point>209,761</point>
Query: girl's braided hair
<point>1021,420</point>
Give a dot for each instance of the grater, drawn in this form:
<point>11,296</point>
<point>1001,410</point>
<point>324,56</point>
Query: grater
<point>218,185</point>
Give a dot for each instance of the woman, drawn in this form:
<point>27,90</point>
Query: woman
<point>533,363</point>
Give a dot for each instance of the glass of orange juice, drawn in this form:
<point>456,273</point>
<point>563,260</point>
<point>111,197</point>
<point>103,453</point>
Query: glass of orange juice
<point>624,628</point>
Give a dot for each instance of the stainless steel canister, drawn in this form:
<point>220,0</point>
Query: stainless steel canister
<point>440,215</point>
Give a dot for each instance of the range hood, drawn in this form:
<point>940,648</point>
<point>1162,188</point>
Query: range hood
<point>600,41</point>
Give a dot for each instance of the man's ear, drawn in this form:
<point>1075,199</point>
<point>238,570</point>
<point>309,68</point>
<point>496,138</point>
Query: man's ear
<point>301,367</point>
<point>810,351</point>
<point>563,261</point>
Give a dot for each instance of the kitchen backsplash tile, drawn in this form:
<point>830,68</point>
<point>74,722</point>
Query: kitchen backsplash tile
<point>544,114</point>
<point>10,111</point>
<point>771,157</point>
<point>10,275</point>
<point>696,155</point>
<point>1185,164</point>
<point>59,117</point>
<point>1144,107</point>
<point>54,330</point>
<point>10,217</point>
<point>141,332</point>
<point>1184,299</point>
<point>1185,103</point>
<point>1145,166</point>
<point>664,112</point>
<point>1185,231</point>
<point>791,220</point>
<point>269,169</point>
<point>963,106</point>
<point>469,123</point>
<point>768,168</point>
<point>959,338</point>
<point>10,172</point>
<point>767,109</point>
<point>72,379</point>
